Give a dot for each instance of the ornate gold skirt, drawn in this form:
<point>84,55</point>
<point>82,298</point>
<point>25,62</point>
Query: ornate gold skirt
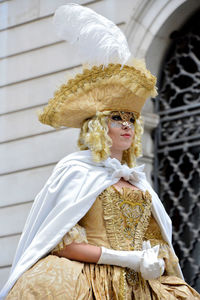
<point>54,278</point>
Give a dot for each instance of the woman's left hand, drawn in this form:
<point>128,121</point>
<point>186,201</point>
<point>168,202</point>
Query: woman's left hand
<point>151,267</point>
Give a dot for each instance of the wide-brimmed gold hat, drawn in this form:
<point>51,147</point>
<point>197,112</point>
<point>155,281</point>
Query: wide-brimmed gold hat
<point>98,89</point>
<point>102,87</point>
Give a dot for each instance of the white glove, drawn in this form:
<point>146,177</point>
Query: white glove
<point>151,267</point>
<point>125,259</point>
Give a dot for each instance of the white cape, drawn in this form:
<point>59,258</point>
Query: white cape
<point>68,194</point>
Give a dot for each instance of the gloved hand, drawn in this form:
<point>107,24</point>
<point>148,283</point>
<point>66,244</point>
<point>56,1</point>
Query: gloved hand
<point>125,259</point>
<point>151,267</point>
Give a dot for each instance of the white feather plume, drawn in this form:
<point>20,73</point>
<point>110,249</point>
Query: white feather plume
<point>97,39</point>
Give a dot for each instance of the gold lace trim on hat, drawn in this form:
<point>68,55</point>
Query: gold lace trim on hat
<point>101,72</point>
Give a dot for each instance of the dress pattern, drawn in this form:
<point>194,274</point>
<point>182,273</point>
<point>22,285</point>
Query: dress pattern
<point>120,220</point>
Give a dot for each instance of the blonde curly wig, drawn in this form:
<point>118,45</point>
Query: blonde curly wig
<point>94,136</point>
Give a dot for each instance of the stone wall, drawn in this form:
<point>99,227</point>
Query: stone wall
<point>33,63</point>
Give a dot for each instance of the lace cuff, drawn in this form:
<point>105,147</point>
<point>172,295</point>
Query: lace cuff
<point>76,234</point>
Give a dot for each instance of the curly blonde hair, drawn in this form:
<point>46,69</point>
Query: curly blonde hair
<point>94,136</point>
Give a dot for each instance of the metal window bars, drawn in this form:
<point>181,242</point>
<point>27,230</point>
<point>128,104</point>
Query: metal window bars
<point>177,146</point>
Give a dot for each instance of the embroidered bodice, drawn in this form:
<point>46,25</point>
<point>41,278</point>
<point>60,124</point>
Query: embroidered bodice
<point>119,220</point>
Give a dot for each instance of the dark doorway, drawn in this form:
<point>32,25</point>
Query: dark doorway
<point>177,145</point>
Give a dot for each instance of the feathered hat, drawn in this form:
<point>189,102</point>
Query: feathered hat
<point>112,81</point>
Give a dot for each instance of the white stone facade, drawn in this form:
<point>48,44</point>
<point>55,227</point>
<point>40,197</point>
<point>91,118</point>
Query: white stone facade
<point>33,63</point>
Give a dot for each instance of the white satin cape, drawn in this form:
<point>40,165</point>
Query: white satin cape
<point>68,194</point>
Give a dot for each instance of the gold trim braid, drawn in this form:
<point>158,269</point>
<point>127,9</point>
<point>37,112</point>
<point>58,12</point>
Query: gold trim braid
<point>127,217</point>
<point>113,220</point>
<point>143,223</point>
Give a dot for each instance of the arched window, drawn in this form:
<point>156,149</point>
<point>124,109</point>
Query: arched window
<point>177,145</point>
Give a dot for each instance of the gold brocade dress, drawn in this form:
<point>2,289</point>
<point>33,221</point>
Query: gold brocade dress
<point>117,220</point>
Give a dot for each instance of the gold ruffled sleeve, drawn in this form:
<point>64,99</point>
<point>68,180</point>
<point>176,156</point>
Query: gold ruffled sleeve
<point>76,234</point>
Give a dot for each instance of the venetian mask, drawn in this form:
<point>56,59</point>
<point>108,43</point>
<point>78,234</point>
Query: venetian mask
<point>120,119</point>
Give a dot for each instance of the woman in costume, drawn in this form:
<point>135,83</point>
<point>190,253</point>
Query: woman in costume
<point>97,230</point>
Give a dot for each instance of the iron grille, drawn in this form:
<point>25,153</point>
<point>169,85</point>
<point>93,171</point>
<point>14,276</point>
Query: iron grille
<point>177,145</point>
